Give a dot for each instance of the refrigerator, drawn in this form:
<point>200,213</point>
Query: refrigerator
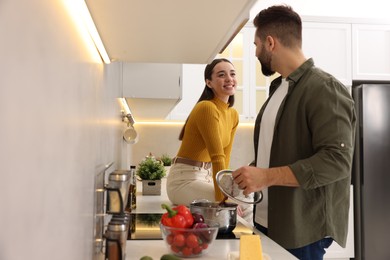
<point>371,170</point>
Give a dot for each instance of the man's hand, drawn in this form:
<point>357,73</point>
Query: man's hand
<point>252,179</point>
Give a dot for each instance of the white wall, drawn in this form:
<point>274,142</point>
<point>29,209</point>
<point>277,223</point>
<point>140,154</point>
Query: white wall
<point>163,139</point>
<point>59,126</point>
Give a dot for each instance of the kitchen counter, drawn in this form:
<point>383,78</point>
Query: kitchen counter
<point>135,249</point>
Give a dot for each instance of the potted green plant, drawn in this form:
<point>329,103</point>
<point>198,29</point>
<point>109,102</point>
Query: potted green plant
<point>151,171</point>
<point>166,159</point>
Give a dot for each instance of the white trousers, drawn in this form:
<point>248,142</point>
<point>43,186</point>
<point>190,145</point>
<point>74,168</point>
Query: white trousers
<point>186,183</point>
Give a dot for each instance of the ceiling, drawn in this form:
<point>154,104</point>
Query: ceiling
<point>168,31</point>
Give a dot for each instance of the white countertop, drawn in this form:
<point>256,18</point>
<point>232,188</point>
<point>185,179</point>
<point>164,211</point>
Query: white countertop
<point>135,249</point>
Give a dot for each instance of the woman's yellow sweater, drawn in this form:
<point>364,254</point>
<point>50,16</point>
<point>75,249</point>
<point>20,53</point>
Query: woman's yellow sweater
<point>209,135</point>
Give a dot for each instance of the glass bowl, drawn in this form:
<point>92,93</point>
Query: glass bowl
<point>188,242</point>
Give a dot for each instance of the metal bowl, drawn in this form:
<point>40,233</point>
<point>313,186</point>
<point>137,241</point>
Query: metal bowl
<point>225,215</point>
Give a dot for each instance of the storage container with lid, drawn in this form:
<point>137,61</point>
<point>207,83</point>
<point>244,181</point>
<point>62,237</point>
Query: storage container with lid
<point>116,237</point>
<point>117,191</point>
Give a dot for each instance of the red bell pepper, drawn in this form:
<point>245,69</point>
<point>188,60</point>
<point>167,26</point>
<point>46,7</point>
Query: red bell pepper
<point>179,217</point>
<point>186,213</point>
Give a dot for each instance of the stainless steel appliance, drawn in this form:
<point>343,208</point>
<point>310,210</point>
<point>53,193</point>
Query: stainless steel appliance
<point>219,214</point>
<point>371,170</point>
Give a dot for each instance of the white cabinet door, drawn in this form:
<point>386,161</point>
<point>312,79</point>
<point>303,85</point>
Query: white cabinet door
<point>193,85</point>
<point>371,51</point>
<point>329,44</point>
<point>151,90</point>
<point>152,80</point>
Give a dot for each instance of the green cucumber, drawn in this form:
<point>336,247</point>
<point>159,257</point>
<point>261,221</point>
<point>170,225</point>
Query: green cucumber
<point>169,257</point>
<point>146,258</point>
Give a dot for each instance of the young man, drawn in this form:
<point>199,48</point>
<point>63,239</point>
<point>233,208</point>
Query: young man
<point>304,140</point>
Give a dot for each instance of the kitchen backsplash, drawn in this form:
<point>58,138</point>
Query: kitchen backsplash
<point>161,139</point>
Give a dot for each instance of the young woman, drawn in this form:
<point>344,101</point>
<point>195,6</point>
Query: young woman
<point>207,138</point>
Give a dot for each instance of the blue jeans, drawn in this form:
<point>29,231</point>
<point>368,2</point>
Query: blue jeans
<point>313,251</point>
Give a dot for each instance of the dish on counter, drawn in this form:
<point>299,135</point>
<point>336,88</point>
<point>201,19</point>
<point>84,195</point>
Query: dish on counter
<point>235,255</point>
<point>189,242</point>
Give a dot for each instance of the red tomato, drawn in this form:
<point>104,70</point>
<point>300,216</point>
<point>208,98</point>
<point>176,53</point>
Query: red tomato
<point>179,240</point>
<point>192,241</point>
<point>170,239</point>
<point>187,251</point>
<point>197,250</point>
<point>175,249</point>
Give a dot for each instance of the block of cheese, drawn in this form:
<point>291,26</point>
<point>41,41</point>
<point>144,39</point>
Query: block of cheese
<point>250,247</point>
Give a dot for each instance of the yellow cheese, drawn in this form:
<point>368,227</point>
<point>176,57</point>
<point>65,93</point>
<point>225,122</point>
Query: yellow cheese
<point>250,247</point>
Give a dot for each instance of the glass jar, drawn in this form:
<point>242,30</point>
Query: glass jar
<point>116,236</point>
<point>117,191</point>
<point>132,201</point>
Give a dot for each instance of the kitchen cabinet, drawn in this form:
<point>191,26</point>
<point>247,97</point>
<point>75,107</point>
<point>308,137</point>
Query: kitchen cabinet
<point>371,51</point>
<point>193,85</point>
<point>333,56</point>
<point>349,49</point>
<point>173,31</point>
<point>151,89</point>
<point>329,44</point>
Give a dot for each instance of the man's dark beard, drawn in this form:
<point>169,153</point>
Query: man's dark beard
<point>266,68</point>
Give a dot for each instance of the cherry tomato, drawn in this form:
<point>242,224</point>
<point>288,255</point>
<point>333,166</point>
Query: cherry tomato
<point>192,241</point>
<point>186,251</point>
<point>175,249</point>
<point>179,240</point>
<point>170,239</point>
<point>197,250</point>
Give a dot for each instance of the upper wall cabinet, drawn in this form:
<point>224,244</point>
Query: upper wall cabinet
<point>193,85</point>
<point>329,44</point>
<point>151,90</point>
<point>169,31</point>
<point>371,51</point>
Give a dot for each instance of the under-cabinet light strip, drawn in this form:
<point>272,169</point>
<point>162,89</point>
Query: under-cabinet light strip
<point>93,32</point>
<point>250,125</point>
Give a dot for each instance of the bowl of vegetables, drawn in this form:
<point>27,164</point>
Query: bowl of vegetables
<point>186,234</point>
